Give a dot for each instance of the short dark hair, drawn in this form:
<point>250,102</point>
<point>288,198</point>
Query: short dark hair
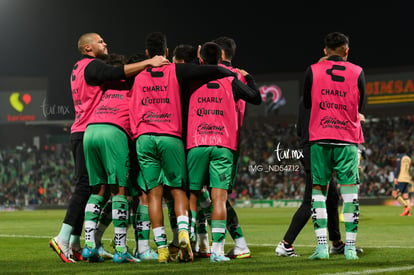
<point>156,43</point>
<point>334,40</point>
<point>228,45</point>
<point>137,57</point>
<point>211,53</point>
<point>185,52</point>
<point>115,59</point>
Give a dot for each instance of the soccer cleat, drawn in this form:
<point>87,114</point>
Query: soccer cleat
<point>147,255</point>
<point>281,250</point>
<point>203,254</point>
<point>104,254</point>
<point>113,245</point>
<point>350,252</point>
<point>173,251</point>
<point>91,255</point>
<point>203,244</point>
<point>163,254</point>
<point>186,253</point>
<point>321,252</point>
<point>63,251</point>
<point>214,258</point>
<point>77,254</point>
<point>340,249</point>
<point>124,258</point>
<point>406,211</point>
<point>238,253</point>
<point>203,249</point>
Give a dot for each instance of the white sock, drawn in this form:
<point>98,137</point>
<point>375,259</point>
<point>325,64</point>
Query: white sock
<point>241,243</point>
<point>217,248</point>
<point>182,223</point>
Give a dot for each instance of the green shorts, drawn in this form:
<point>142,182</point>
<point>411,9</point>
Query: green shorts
<point>326,158</point>
<point>210,166</point>
<point>142,184</point>
<point>160,158</point>
<point>106,154</point>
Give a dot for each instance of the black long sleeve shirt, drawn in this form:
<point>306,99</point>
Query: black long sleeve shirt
<point>302,123</point>
<point>97,72</point>
<point>188,75</point>
<point>253,95</point>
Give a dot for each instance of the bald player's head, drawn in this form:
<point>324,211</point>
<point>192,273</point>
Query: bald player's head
<point>92,44</point>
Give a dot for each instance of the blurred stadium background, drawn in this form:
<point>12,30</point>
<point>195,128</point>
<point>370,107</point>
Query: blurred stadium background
<point>275,44</point>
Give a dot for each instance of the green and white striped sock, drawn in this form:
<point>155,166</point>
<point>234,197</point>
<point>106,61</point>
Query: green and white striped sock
<point>142,229</point>
<point>120,217</point>
<point>92,212</point>
<point>351,212</point>
<point>218,230</point>
<point>234,228</point>
<point>104,221</point>
<point>319,215</point>
<point>183,223</point>
<point>160,237</point>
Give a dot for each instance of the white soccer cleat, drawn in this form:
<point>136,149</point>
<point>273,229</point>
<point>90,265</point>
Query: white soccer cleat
<point>281,250</point>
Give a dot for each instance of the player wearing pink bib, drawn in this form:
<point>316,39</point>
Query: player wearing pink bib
<point>212,120</point>
<point>106,146</point>
<point>240,250</point>
<point>335,102</point>
<point>155,113</point>
<point>334,90</point>
<point>212,140</point>
<point>87,76</point>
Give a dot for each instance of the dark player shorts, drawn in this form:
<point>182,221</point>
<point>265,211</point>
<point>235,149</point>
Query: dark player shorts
<point>402,186</point>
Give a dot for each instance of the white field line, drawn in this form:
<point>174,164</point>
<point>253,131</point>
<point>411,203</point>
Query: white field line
<point>367,271</point>
<point>228,242</point>
<point>373,271</point>
<point>314,245</point>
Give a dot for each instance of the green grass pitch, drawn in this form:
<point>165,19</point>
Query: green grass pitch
<point>387,240</point>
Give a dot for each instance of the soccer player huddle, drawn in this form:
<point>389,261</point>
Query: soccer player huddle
<point>148,131</point>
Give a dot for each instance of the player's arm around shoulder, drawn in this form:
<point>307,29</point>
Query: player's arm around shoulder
<point>250,92</point>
